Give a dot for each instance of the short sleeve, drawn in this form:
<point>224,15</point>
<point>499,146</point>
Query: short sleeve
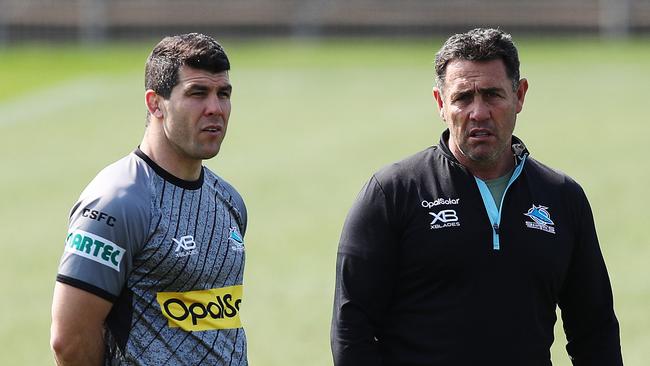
<point>107,226</point>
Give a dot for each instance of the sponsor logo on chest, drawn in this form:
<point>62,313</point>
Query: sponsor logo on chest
<point>236,240</point>
<point>442,217</point>
<point>541,219</point>
<point>202,310</point>
<point>185,246</point>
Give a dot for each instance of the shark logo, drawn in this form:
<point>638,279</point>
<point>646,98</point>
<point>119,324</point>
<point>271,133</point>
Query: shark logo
<point>541,219</point>
<point>540,215</point>
<point>236,240</point>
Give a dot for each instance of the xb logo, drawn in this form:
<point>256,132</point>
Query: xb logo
<point>444,216</point>
<point>186,243</point>
<point>444,219</point>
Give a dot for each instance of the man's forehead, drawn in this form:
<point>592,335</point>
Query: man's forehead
<point>495,68</point>
<point>463,74</point>
<point>189,75</point>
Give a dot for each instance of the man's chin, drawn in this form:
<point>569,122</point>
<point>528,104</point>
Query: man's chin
<point>208,153</point>
<point>483,157</point>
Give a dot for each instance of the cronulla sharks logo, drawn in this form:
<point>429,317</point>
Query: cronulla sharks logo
<point>236,240</point>
<point>541,219</point>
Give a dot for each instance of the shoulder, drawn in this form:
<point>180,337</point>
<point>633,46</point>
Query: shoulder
<point>230,195</point>
<point>549,176</point>
<point>554,181</point>
<point>121,193</point>
<point>226,189</point>
<point>127,181</point>
<point>409,168</point>
<point>108,226</point>
<point>394,184</point>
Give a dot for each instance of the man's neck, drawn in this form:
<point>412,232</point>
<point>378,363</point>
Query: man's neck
<point>169,159</point>
<point>493,171</point>
<point>485,170</point>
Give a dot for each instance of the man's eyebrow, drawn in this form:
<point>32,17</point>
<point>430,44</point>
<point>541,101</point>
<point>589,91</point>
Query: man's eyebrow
<point>490,90</point>
<point>203,87</point>
<point>462,93</point>
<point>196,86</point>
<point>467,92</point>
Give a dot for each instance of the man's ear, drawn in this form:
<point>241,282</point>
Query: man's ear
<point>152,101</point>
<point>521,94</point>
<point>437,95</point>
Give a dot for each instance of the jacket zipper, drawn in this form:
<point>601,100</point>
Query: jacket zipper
<point>494,212</point>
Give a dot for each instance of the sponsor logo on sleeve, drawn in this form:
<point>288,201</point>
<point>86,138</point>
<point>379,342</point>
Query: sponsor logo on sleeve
<point>99,216</point>
<point>541,219</point>
<point>202,310</point>
<point>95,248</point>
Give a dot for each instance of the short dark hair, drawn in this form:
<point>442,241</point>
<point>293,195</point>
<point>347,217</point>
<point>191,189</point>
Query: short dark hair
<point>193,49</point>
<point>480,44</point>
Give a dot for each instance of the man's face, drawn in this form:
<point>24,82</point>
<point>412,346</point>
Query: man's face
<point>480,108</point>
<point>195,116</point>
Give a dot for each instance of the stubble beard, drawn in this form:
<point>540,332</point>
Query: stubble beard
<point>207,152</point>
<point>482,159</point>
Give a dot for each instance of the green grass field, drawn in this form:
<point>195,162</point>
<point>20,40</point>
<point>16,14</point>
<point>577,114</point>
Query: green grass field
<point>310,123</point>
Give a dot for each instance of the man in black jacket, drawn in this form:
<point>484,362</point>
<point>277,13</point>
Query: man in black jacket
<point>459,254</point>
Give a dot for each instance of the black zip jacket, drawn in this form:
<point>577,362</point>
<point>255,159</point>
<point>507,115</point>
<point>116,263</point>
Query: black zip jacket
<point>428,273</point>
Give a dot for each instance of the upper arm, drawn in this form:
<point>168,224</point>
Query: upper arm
<point>74,310</point>
<point>107,228</point>
<point>363,278</point>
<point>78,325</point>
<point>586,301</point>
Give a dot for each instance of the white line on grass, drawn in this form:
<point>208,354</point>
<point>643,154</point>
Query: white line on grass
<point>38,105</point>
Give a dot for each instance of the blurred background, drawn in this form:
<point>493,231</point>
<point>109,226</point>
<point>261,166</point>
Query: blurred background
<point>94,21</point>
<point>325,94</point>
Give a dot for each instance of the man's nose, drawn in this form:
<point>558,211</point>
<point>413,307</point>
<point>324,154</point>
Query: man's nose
<point>213,106</point>
<point>480,111</point>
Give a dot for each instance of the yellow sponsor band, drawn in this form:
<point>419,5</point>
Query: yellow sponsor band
<point>216,308</point>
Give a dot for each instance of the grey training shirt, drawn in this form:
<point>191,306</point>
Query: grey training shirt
<point>169,254</point>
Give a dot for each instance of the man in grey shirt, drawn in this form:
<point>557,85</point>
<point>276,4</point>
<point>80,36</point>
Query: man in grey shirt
<point>153,263</point>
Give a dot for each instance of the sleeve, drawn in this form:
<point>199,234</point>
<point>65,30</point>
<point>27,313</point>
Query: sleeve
<point>106,228</point>
<point>586,300</point>
<point>363,279</point>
